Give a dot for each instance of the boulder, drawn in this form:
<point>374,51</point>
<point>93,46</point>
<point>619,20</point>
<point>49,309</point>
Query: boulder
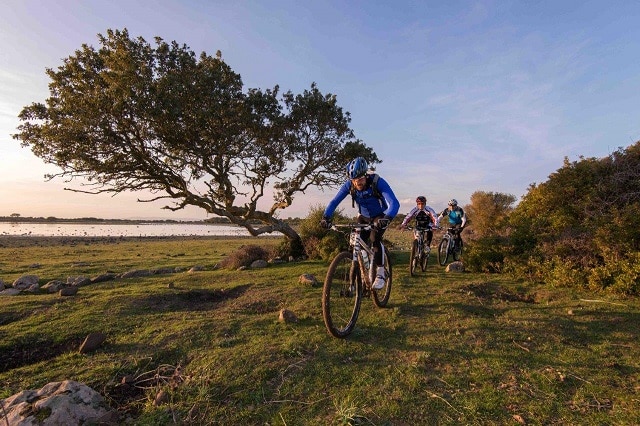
<point>455,267</point>
<point>25,282</point>
<point>58,403</point>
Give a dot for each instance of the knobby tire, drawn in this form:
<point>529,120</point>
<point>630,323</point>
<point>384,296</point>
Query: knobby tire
<point>341,295</point>
<point>443,251</point>
<point>457,251</point>
<point>424,261</point>
<point>413,263</point>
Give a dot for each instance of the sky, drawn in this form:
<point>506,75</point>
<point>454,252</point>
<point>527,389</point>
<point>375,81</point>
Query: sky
<point>454,96</point>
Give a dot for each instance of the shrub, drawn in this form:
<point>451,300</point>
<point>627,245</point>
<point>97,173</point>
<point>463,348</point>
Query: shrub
<point>244,256</point>
<point>320,243</point>
<point>485,254</point>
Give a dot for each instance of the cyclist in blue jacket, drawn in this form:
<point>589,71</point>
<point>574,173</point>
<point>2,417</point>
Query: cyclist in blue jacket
<point>457,218</point>
<point>377,205</point>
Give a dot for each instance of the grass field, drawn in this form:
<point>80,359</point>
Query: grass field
<point>449,349</point>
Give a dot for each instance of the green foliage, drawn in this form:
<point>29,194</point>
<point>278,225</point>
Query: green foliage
<point>484,254</point>
<point>488,213</point>
<point>320,243</point>
<point>131,116</point>
<point>581,227</point>
<point>487,229</point>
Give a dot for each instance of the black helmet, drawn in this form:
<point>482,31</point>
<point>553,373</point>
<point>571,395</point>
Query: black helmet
<point>453,202</point>
<point>421,199</point>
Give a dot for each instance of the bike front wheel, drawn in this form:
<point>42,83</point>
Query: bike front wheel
<point>341,295</point>
<point>424,261</point>
<point>381,297</point>
<point>413,261</point>
<point>443,251</point>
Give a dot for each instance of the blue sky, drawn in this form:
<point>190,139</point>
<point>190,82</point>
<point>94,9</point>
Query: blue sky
<point>454,96</point>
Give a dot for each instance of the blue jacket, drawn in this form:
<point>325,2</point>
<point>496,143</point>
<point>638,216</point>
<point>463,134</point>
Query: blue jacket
<point>368,204</point>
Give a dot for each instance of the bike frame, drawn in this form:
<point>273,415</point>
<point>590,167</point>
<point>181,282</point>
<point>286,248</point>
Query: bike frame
<point>358,245</point>
<point>420,236</point>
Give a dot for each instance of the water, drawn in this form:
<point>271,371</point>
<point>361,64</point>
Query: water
<point>120,230</point>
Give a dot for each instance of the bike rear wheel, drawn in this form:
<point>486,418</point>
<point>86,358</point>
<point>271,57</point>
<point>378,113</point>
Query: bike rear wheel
<point>381,297</point>
<point>413,261</point>
<point>457,251</point>
<point>341,295</point>
<point>443,251</point>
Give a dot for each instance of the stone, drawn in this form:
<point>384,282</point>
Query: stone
<point>25,281</point>
<point>92,342</point>
<point>58,403</point>
<point>260,263</point>
<point>287,316</point>
<point>308,279</point>
<point>68,291</point>
<point>455,267</point>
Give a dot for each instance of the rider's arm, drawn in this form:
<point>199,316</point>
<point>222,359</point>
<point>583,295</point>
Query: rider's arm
<point>432,213</point>
<point>340,195</point>
<point>409,216</point>
<point>464,219</point>
<point>393,205</point>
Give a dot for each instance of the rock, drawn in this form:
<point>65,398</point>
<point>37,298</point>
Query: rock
<point>92,342</point>
<point>58,403</point>
<point>136,273</point>
<point>53,286</point>
<point>260,263</point>
<point>160,271</point>
<point>308,279</point>
<point>10,292</point>
<point>195,268</point>
<point>25,281</point>
<point>78,281</point>
<point>68,291</point>
<point>161,398</point>
<point>455,267</point>
<point>287,316</point>
<point>103,277</point>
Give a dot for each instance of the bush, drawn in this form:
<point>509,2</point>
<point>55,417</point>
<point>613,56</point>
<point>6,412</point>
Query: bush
<point>244,256</point>
<point>485,254</point>
<point>318,242</point>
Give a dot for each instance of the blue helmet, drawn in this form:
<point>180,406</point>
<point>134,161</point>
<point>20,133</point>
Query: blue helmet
<point>357,168</point>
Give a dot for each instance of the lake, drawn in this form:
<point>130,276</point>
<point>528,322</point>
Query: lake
<point>120,230</point>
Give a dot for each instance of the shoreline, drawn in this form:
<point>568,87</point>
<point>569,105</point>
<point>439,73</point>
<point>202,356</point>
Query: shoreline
<point>16,241</point>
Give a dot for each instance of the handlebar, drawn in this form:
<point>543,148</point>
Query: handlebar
<point>364,226</point>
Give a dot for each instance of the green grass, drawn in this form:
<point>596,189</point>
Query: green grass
<point>450,349</point>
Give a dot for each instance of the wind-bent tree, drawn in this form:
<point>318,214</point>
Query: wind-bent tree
<point>133,117</point>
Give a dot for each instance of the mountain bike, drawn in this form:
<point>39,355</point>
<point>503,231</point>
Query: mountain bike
<point>448,247</point>
<point>349,279</point>
<point>420,251</point>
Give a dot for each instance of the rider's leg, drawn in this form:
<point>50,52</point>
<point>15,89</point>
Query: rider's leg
<point>376,237</point>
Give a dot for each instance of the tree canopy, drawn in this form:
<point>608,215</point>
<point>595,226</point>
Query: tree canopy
<point>582,225</point>
<point>129,116</point>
